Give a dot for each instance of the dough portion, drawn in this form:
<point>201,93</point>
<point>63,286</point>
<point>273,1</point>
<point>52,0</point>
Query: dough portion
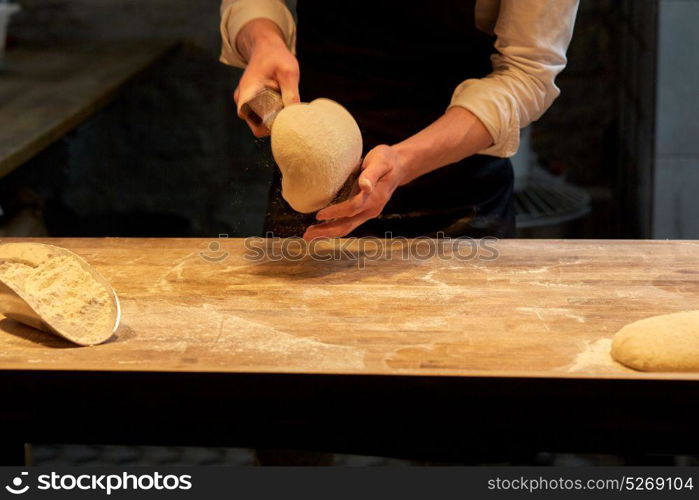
<point>73,299</point>
<point>667,343</point>
<point>317,146</point>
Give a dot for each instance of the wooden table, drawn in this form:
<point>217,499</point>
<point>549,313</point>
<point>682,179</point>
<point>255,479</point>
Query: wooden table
<point>439,356</point>
<point>47,91</point>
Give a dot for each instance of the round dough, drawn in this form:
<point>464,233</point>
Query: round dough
<point>316,146</point>
<point>667,343</point>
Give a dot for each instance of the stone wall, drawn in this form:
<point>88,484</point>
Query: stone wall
<point>169,156</point>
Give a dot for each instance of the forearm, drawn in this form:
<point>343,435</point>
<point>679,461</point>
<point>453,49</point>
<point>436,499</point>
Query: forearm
<point>256,33</point>
<point>453,137</point>
<point>237,14</point>
<point>268,64</point>
<point>456,135</point>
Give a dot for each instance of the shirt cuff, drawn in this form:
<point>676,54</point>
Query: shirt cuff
<point>496,110</point>
<point>236,14</point>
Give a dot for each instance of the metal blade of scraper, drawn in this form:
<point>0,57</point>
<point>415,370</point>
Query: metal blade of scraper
<point>350,187</point>
<point>263,108</point>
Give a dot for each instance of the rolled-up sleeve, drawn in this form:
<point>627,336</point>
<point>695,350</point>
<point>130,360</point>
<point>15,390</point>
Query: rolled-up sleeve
<point>532,40</point>
<point>236,13</point>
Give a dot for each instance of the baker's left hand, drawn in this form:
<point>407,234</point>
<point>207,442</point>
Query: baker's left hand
<point>382,172</point>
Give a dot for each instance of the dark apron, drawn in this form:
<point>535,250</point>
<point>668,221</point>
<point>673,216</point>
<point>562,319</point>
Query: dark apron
<point>394,65</point>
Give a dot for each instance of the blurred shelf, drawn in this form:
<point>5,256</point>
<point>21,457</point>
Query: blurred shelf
<point>545,203</point>
<point>46,91</point>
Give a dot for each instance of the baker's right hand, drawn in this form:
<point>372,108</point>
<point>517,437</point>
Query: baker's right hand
<point>270,65</point>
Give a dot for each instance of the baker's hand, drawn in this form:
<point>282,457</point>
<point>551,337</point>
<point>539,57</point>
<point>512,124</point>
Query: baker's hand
<point>270,65</point>
<point>382,173</point>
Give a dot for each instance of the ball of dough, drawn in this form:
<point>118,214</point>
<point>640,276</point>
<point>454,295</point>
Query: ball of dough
<point>316,146</point>
<point>667,343</point>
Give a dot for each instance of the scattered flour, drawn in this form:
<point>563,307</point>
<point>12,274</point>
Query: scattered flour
<point>595,355</point>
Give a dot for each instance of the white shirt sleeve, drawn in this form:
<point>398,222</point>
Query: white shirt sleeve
<point>532,40</point>
<point>236,13</point>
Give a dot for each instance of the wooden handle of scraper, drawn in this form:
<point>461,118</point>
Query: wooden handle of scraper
<point>262,109</point>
